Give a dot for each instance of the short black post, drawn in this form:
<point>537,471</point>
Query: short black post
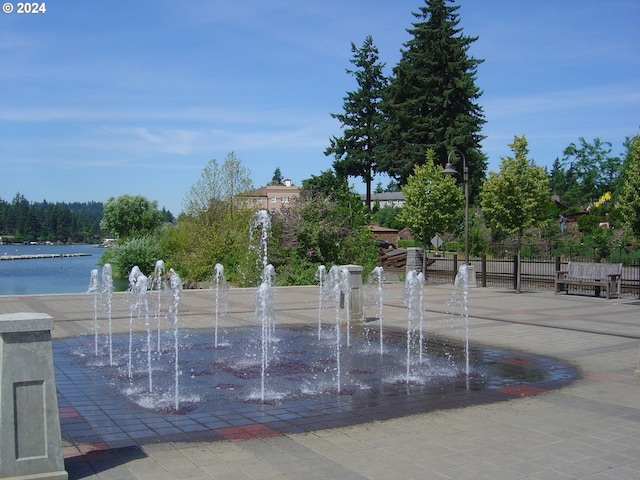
<point>455,265</point>
<point>483,261</point>
<point>515,272</point>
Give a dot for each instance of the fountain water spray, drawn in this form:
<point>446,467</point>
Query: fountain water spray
<point>262,220</point>
<point>158,285</point>
<point>142,284</point>
<point>142,308</point>
<point>133,308</point>
<point>320,278</point>
<point>337,288</point>
<point>377,278</point>
<point>345,285</point>
<point>175,284</point>
<point>94,289</point>
<point>106,293</point>
<point>413,298</point>
<point>459,301</point>
<point>219,286</point>
<point>421,314</point>
<point>264,311</point>
<point>333,291</point>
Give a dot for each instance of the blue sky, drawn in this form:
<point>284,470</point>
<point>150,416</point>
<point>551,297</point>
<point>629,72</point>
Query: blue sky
<point>104,98</point>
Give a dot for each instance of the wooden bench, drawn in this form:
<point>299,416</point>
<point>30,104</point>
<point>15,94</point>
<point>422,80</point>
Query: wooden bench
<point>598,275</point>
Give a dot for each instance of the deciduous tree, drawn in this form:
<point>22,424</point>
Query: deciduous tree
<point>592,170</point>
<point>211,231</point>
<point>630,191</point>
<point>212,195</point>
<point>327,183</point>
<point>517,196</point>
<point>433,202</point>
<point>130,216</point>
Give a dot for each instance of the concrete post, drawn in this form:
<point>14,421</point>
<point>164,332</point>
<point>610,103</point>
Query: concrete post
<point>355,278</point>
<point>30,441</point>
<point>414,259</point>
<point>471,276</point>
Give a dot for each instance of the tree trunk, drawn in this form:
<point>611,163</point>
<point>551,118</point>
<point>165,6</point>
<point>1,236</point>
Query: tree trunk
<point>424,259</point>
<point>519,261</point>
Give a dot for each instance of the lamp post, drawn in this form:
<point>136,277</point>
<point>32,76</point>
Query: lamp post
<point>449,170</point>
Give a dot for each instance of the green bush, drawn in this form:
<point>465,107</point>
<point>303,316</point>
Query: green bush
<point>454,246</point>
<point>296,274</point>
<point>588,223</point>
<point>409,243</point>
<point>530,251</point>
<point>387,216</point>
<point>142,251</point>
<point>319,229</point>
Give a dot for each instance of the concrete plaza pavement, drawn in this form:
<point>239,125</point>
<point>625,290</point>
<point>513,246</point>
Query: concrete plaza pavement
<point>587,430</point>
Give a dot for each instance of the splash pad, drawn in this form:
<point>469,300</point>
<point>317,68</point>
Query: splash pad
<point>328,370</point>
<point>220,387</point>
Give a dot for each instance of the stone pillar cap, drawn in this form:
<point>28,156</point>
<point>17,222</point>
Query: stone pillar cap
<point>25,322</point>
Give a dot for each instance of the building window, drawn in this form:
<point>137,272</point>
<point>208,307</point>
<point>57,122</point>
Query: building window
<point>284,199</point>
<point>272,199</point>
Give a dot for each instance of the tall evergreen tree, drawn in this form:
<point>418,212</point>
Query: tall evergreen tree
<point>277,177</point>
<point>355,152</point>
<point>431,102</point>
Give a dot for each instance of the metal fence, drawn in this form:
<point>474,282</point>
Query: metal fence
<point>535,274</point>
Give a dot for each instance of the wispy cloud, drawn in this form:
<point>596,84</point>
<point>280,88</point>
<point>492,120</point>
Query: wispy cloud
<point>229,115</point>
<point>555,101</point>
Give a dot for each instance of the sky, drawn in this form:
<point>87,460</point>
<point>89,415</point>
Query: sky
<point>104,98</point>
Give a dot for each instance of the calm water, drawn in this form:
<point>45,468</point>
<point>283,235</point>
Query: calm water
<point>47,275</point>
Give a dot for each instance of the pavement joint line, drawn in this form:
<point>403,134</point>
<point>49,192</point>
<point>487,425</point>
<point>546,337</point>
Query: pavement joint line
<point>531,324</point>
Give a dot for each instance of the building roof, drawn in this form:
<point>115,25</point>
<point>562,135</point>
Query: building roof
<point>386,197</point>
<point>379,229</point>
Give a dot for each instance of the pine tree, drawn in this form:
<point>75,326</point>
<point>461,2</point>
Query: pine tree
<point>277,177</point>
<point>355,151</point>
<point>431,102</point>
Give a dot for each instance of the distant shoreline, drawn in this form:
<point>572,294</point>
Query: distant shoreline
<point>43,255</point>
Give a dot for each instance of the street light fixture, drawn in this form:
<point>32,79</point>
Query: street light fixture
<point>449,170</point>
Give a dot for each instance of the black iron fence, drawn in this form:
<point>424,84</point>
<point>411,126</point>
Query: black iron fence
<point>536,273</point>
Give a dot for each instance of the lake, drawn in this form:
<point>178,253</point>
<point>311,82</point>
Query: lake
<point>47,275</point>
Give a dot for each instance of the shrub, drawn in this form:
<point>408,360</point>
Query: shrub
<point>409,243</point>
<point>320,229</point>
<point>141,251</point>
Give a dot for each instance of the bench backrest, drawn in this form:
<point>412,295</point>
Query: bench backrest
<point>593,271</point>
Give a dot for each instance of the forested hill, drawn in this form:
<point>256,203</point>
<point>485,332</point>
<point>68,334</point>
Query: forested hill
<point>50,222</point>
